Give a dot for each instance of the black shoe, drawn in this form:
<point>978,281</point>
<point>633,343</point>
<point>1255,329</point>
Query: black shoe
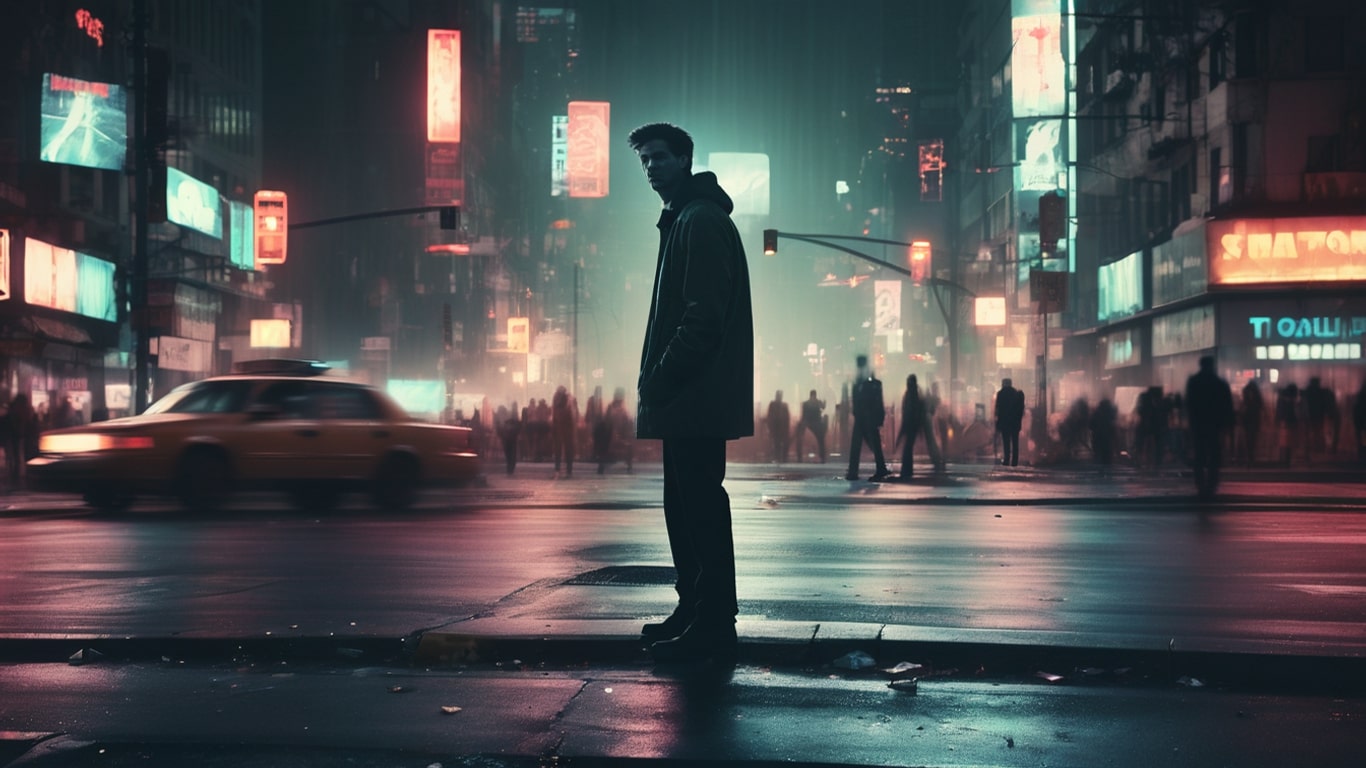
<point>700,642</point>
<point>879,477</point>
<point>667,629</point>
<point>851,478</point>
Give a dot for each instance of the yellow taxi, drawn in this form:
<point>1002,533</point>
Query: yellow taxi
<point>280,425</point>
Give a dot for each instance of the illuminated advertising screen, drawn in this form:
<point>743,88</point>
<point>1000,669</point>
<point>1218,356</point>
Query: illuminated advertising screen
<point>589,148</point>
<point>1036,63</point>
<point>192,203</point>
<point>1191,330</point>
<point>1180,265</point>
<point>1123,349</point>
<point>4,265</point>
<point>744,176</point>
<point>1039,155</point>
<point>1299,250</point>
<point>418,397</point>
<point>83,123</point>
<point>270,333</point>
<point>1294,329</point>
<point>443,85</point>
<point>1121,288</point>
<point>60,278</point>
<point>989,311</point>
<point>242,247</point>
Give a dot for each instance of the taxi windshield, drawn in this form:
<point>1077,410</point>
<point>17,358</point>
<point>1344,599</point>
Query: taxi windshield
<point>204,397</point>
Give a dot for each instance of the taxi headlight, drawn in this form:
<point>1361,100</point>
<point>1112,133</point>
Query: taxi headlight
<point>91,443</point>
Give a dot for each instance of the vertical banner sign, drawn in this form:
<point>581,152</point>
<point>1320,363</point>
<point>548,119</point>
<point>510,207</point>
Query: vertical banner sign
<point>443,85</point>
<point>559,155</point>
<point>5,291</point>
<point>445,180</point>
<point>887,306</point>
<point>519,335</point>
<point>589,146</point>
<point>1049,289</point>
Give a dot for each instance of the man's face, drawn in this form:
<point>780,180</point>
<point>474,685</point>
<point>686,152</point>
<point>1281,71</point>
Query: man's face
<point>663,169</point>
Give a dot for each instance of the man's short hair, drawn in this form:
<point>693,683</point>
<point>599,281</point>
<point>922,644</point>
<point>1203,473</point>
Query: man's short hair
<point>861,360</point>
<point>1005,382</point>
<point>680,143</point>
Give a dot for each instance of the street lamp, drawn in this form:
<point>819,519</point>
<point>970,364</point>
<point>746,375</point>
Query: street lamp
<point>920,276</point>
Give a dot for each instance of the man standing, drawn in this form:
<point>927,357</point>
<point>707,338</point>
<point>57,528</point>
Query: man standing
<point>779,423</point>
<point>813,421</point>
<point>1209,410</point>
<point>869,413</point>
<point>696,389</point>
<point>1010,406</point>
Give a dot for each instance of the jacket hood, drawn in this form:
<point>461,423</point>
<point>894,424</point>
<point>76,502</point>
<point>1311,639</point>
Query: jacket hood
<point>703,186</point>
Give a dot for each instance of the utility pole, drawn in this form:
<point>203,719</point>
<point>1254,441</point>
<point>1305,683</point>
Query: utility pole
<point>137,284</point>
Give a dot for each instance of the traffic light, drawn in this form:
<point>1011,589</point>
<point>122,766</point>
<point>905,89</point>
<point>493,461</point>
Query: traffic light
<point>1052,220</point>
<point>770,242</point>
<point>450,217</point>
<point>272,226</point>
<point>919,258</point>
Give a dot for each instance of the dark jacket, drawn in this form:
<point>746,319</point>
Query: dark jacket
<point>697,363</point>
<point>1010,408</point>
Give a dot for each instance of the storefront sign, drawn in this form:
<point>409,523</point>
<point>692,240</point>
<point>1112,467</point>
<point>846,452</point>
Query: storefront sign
<point>1122,349</point>
<point>1188,331</point>
<point>1255,251</point>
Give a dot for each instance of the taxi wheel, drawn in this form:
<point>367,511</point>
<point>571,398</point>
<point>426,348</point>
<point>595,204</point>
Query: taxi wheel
<point>204,481</point>
<point>396,483</point>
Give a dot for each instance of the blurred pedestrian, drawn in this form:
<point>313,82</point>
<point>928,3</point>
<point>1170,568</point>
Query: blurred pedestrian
<point>1009,414</point>
<point>509,430</point>
<point>696,389</point>
<point>1250,415</point>
<point>778,422</point>
<point>1209,413</point>
<point>615,436</point>
<point>564,418</point>
<point>812,420</point>
<point>1103,420</point>
<point>540,431</point>
<point>592,417</point>
<point>1151,432</point>
<point>913,423</point>
<point>869,412</point>
<point>1359,421</point>
<point>1287,420</point>
<point>21,430</point>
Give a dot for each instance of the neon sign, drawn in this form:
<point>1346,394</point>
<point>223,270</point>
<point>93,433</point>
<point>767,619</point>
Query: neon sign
<point>1307,327</point>
<point>92,26</point>
<point>1247,251</point>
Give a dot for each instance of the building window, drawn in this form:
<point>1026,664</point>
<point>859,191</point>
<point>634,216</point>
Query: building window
<point>1217,65</point>
<point>1324,43</point>
<point>1220,177</point>
<point>1324,154</point>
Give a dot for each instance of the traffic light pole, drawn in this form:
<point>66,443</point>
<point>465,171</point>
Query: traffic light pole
<point>949,312</point>
<point>142,157</point>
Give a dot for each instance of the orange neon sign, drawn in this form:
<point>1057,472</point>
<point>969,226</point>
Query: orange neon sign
<point>443,85</point>
<point>1299,250</point>
<point>589,148</point>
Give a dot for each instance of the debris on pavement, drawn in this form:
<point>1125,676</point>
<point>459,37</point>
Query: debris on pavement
<point>855,660</point>
<point>449,709</point>
<point>768,501</point>
<point>1189,682</point>
<point>84,656</point>
<point>905,685</point>
<point>905,669</point>
<point>401,689</point>
<point>1049,677</point>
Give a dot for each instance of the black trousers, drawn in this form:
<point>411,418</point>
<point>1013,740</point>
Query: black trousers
<point>697,516</point>
<point>866,433</point>
<point>1010,447</point>
<point>1207,458</point>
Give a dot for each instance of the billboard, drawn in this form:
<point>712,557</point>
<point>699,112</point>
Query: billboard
<point>1120,288</point>
<point>443,85</point>
<point>1298,250</point>
<point>745,177</point>
<point>559,155</point>
<point>589,148</point>
<point>1038,75</point>
<point>83,123</point>
<point>192,203</point>
<point>270,333</point>
<point>60,278</point>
